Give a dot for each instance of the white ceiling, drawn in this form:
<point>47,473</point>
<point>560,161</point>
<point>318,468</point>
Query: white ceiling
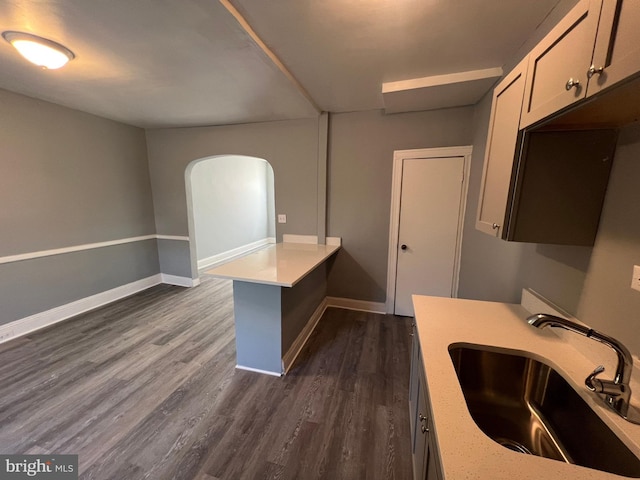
<point>156,63</point>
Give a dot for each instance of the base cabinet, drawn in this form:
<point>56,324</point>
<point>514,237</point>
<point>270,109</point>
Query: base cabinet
<point>426,464</point>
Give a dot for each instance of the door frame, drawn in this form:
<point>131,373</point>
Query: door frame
<point>394,224</point>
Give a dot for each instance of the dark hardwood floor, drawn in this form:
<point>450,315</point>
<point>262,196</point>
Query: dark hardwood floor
<point>146,389</point>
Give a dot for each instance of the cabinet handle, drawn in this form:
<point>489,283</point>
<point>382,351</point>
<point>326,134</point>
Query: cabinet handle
<point>572,83</point>
<point>495,226</point>
<point>422,418</point>
<point>593,70</point>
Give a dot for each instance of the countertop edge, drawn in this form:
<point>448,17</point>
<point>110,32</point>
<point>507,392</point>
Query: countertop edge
<point>327,255</point>
<point>306,269</point>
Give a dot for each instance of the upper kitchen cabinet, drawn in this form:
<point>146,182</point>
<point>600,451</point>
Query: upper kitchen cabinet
<point>616,55</point>
<point>558,186</point>
<point>552,130</point>
<point>499,153</point>
<point>558,65</point>
<point>545,186</point>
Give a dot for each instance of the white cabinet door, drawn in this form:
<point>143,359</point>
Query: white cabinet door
<point>426,463</point>
<point>617,52</point>
<point>421,445</point>
<point>500,151</point>
<point>433,470</point>
<point>558,65</point>
<point>413,384</point>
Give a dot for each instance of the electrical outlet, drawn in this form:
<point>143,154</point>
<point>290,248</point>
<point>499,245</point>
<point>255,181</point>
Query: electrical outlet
<point>282,218</point>
<point>635,280</point>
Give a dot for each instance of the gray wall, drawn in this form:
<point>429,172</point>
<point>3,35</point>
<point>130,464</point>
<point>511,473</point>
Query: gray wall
<point>33,286</point>
<point>360,167</point>
<point>607,301</point>
<point>231,198</point>
<point>69,178</point>
<point>492,269</point>
<point>591,283</point>
<point>289,146</point>
<point>359,184</point>
<point>361,149</point>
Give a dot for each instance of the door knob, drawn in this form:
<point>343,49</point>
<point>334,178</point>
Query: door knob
<point>403,247</point>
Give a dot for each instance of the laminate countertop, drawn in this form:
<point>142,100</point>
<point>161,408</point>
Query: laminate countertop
<point>465,451</point>
<point>280,264</point>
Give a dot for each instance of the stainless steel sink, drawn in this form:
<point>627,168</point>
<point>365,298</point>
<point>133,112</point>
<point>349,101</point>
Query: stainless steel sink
<point>528,407</point>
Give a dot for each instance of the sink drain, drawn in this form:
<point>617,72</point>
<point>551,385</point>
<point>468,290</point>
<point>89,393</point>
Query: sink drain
<point>513,445</point>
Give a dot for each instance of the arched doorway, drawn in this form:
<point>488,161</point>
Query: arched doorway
<point>231,208</point>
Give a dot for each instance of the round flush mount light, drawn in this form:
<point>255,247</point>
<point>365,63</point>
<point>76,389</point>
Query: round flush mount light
<point>39,51</point>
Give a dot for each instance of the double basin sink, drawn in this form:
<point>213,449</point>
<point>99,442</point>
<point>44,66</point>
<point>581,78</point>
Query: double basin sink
<point>526,406</point>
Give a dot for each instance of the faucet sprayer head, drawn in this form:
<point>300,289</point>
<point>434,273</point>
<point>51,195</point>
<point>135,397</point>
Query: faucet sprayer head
<point>542,320</point>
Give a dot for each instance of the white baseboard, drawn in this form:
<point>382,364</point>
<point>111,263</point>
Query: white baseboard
<point>179,281</point>
<point>360,305</point>
<point>41,320</point>
<point>26,325</point>
<point>224,257</point>
<point>257,370</point>
<point>296,347</point>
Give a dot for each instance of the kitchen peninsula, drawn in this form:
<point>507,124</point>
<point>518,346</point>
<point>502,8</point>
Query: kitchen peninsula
<point>278,297</point>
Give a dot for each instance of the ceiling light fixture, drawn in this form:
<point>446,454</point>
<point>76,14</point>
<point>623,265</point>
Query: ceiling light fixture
<point>40,51</point>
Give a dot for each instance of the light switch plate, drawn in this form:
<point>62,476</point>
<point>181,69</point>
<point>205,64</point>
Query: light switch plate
<point>282,218</point>
<point>635,281</point>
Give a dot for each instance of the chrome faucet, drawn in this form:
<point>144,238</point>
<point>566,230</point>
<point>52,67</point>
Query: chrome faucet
<point>617,392</point>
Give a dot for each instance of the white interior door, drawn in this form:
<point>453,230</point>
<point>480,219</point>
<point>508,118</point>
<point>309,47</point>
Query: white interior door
<point>430,209</point>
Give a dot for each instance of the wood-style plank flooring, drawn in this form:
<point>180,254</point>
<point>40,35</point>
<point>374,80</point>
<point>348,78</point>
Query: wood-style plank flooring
<point>146,388</point>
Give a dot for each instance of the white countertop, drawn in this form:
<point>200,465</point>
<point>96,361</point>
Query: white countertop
<point>280,264</point>
<point>465,451</point>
